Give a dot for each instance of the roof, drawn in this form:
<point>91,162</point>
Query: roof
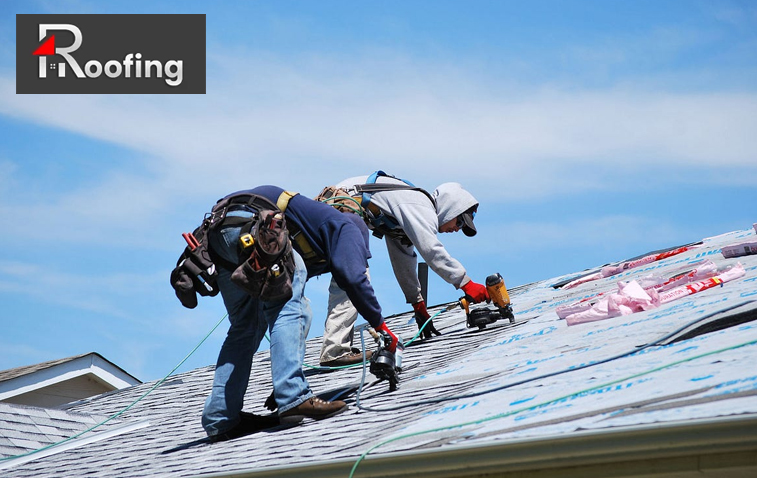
<point>29,428</point>
<point>672,389</point>
<point>12,373</point>
<point>61,381</point>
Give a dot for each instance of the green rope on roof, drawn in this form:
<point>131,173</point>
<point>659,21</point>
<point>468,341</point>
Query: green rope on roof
<point>118,414</point>
<point>532,407</point>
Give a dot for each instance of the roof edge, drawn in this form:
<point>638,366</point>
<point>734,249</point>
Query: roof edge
<point>26,370</point>
<point>66,369</point>
<point>690,446</point>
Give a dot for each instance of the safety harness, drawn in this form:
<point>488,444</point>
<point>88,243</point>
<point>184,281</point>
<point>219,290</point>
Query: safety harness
<point>306,251</point>
<point>381,223</point>
<point>264,246</point>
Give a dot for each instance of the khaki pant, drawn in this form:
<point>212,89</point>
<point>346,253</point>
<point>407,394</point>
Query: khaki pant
<point>340,324</point>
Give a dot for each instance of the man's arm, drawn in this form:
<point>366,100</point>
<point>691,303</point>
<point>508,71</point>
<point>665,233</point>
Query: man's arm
<point>405,265</point>
<point>348,263</point>
<point>420,223</point>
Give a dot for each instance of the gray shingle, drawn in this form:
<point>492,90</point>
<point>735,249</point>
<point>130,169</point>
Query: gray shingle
<point>462,361</point>
<point>24,443</point>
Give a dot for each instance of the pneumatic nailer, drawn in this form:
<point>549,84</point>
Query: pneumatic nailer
<point>482,316</point>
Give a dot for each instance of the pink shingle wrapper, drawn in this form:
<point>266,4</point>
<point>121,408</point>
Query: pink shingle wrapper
<point>703,270</point>
<point>608,271</point>
<point>631,297</point>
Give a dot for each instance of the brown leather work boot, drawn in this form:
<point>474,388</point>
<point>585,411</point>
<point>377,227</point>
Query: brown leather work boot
<point>348,359</point>
<point>314,408</point>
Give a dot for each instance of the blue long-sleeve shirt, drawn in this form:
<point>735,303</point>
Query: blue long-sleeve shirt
<point>341,240</point>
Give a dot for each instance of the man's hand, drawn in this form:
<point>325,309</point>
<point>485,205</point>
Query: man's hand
<point>476,292</point>
<point>388,336</point>
<point>421,316</point>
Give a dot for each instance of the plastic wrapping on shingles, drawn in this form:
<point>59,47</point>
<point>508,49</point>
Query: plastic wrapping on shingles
<point>703,270</point>
<point>746,248</point>
<point>631,297</point>
<point>608,271</point>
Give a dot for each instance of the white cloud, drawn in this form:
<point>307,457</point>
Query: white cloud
<point>304,123</point>
<point>395,113</point>
<point>82,289</point>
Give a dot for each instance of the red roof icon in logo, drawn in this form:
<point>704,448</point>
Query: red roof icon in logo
<point>47,48</point>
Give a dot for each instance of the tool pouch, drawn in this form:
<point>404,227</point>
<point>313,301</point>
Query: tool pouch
<point>267,274</point>
<point>195,273</point>
<point>340,199</point>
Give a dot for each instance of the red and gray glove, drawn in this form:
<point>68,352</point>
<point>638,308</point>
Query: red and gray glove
<point>393,340</point>
<point>476,292</point>
<point>421,317</point>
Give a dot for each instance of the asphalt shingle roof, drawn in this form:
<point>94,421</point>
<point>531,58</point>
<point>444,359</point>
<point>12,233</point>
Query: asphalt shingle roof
<point>12,373</point>
<point>512,382</point>
<point>27,428</point>
<point>27,369</point>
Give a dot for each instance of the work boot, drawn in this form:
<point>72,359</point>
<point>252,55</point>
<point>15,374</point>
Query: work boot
<point>248,423</point>
<point>270,402</point>
<point>348,359</point>
<point>314,408</point>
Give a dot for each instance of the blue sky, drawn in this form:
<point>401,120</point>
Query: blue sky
<point>590,131</point>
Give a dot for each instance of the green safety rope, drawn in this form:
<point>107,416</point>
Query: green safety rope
<point>358,210</point>
<point>532,407</point>
<point>161,381</point>
<point>157,384</point>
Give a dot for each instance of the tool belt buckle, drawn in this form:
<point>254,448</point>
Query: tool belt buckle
<point>215,216</point>
<point>246,240</point>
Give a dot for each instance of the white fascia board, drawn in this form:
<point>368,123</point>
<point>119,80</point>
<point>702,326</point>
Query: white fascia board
<point>89,364</point>
<point>111,374</point>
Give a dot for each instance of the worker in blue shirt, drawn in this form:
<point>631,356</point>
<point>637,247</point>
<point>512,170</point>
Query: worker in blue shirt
<point>324,240</point>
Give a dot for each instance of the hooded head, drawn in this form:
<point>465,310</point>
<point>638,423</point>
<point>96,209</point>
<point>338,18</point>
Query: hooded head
<point>452,201</point>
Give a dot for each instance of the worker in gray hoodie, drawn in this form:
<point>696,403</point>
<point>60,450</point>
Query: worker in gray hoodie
<point>409,219</point>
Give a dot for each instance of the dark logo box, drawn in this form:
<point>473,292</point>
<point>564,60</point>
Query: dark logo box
<point>112,54</point>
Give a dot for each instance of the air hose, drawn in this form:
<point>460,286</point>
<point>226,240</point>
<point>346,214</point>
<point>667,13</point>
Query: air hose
<point>157,384</point>
<point>552,374</point>
<point>118,414</point>
<point>547,402</point>
<point>339,367</point>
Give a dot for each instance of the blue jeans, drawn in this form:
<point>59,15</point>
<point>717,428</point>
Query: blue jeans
<point>287,322</point>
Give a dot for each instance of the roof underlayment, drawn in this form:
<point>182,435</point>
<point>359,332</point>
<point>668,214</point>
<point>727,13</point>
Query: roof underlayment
<point>671,389</point>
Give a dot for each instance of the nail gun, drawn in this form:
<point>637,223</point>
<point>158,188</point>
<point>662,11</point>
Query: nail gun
<point>482,316</point>
<point>386,365</point>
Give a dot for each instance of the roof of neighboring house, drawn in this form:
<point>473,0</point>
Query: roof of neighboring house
<point>29,428</point>
<point>671,389</point>
<point>61,381</point>
<point>29,369</point>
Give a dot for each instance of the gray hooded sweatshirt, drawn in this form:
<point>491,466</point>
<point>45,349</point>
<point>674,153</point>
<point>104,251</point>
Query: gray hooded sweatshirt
<point>420,221</point>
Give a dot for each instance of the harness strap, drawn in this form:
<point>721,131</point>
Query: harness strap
<point>382,223</point>
<point>371,186</point>
<point>283,201</point>
<point>306,250</point>
<point>373,209</point>
<point>219,218</point>
<point>295,233</point>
